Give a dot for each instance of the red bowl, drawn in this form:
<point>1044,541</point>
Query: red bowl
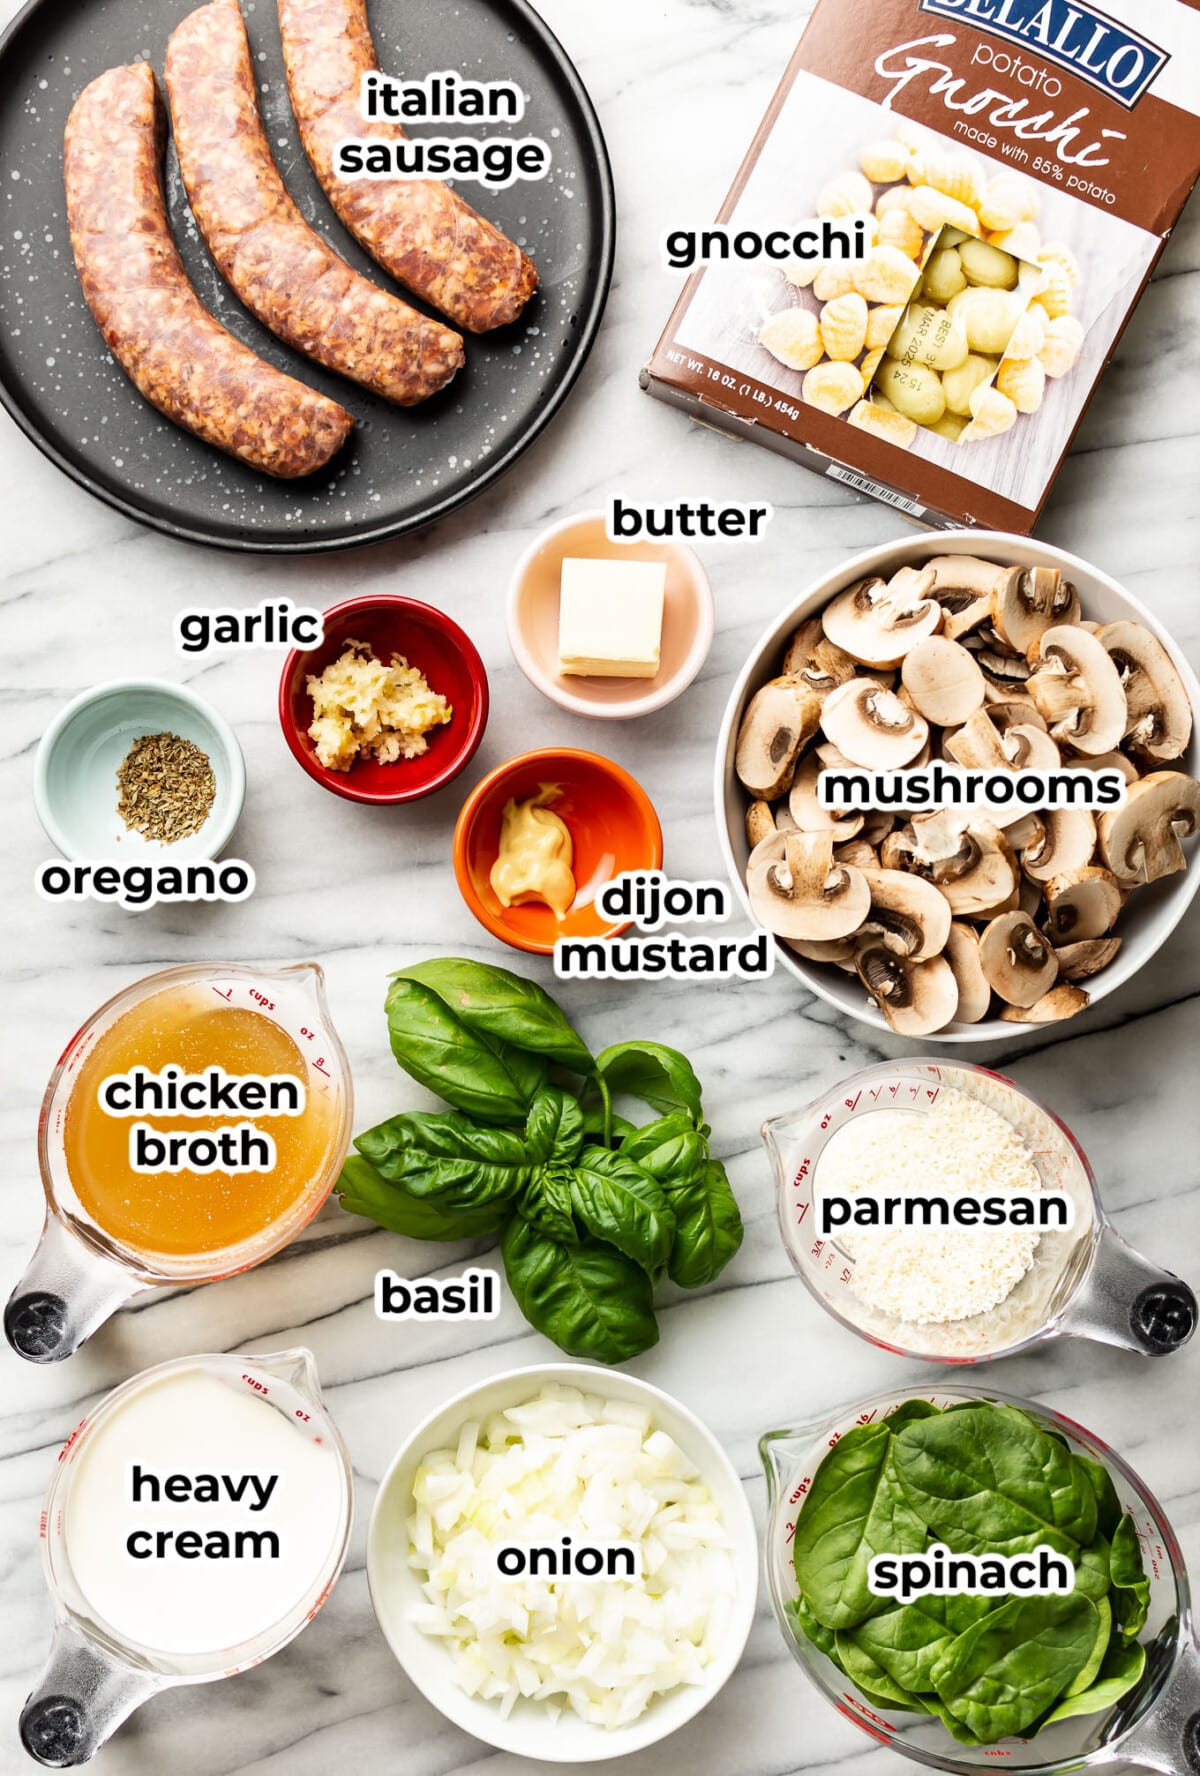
<point>439,649</point>
<point>613,828</point>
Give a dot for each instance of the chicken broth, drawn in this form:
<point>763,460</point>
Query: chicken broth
<point>180,1179</point>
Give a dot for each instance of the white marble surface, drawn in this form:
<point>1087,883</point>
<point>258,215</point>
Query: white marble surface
<point>89,596</point>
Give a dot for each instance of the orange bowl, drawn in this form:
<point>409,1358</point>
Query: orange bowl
<point>613,828</point>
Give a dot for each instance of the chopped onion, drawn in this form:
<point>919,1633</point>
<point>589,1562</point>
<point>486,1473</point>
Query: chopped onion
<point>597,1470</point>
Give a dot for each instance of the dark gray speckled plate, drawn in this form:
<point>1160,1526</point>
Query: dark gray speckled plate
<point>401,469</point>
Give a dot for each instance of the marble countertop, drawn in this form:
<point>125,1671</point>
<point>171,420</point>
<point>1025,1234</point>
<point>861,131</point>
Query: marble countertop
<point>88,595</point>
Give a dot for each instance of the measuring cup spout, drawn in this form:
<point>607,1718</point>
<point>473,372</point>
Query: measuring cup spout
<point>83,1696</point>
<point>296,1369</point>
<point>776,1135</point>
<point>64,1295</point>
<point>1127,1301</point>
<point>779,1452</point>
<point>309,978</point>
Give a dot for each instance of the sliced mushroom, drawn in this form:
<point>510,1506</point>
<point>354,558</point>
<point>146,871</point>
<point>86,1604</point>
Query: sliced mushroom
<point>966,857</point>
<point>1026,831</point>
<point>942,681</point>
<point>1078,690</point>
<point>839,951</point>
<point>980,745</point>
<point>916,998</point>
<point>809,813</point>
<point>908,913</point>
<point>796,890</point>
<point>1018,962</point>
<point>1067,842</point>
<point>1082,904</point>
<point>815,660</point>
<point>1016,712</point>
<point>1159,720</point>
<point>876,827</point>
<point>760,823</point>
<point>962,587</point>
<point>779,722</point>
<point>1105,761</point>
<point>1140,840</point>
<point>1004,675</point>
<point>877,622</point>
<point>1079,961</point>
<point>1029,601</point>
<point>1029,898</point>
<point>857,852</point>
<point>1059,1003</point>
<point>974,993</point>
<point>872,727</point>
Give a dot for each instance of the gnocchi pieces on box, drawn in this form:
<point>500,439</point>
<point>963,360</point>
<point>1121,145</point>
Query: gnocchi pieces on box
<point>994,180</point>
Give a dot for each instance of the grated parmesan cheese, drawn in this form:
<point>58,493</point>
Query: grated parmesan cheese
<point>959,1146</point>
<point>361,705</point>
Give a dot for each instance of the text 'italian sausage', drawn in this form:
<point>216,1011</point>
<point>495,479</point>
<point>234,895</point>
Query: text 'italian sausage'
<point>282,270</point>
<point>165,340</point>
<point>417,229</point>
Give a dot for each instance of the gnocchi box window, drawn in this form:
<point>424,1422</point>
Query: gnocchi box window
<point>1007,179</point>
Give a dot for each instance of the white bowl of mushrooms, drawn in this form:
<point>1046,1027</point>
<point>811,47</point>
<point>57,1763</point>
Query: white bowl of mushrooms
<point>989,652</point>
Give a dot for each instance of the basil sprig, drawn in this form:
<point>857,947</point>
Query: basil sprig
<point>591,1209</point>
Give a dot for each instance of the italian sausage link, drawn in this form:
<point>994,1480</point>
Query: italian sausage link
<point>165,340</point>
<point>418,229</point>
<point>284,272</point>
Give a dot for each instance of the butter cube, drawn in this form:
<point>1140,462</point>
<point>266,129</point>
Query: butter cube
<point>610,618</point>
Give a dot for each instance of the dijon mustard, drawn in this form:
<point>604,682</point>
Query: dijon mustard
<point>536,855</point>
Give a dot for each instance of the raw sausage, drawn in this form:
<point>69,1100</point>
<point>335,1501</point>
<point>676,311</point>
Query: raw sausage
<point>285,273</point>
<point>165,340</point>
<point>418,229</point>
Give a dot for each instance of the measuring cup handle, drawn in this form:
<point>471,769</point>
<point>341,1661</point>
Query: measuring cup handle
<point>64,1295</point>
<point>1167,1739</point>
<point>1127,1301</point>
<point>84,1696</point>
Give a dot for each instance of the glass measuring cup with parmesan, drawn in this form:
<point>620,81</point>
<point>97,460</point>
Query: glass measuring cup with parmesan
<point>939,1211</point>
<point>197,1520</point>
<point>193,1125</point>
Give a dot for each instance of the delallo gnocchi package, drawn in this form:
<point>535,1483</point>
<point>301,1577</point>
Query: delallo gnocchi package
<point>991,182</point>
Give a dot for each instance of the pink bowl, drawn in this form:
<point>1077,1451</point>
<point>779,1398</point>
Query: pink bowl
<point>533,596</point>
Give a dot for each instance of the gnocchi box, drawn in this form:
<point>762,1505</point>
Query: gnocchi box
<point>927,258</point>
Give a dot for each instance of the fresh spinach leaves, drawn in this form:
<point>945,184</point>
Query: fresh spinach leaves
<point>592,1209</point>
<point>983,1479</point>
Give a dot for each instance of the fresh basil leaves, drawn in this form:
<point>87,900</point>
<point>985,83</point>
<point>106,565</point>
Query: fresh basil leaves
<point>983,1479</point>
<point>592,1209</point>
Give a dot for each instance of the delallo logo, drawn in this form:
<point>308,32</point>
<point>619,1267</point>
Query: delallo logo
<point>1070,33</point>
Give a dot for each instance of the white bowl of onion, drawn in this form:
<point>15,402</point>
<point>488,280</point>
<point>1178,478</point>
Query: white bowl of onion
<point>707,1587</point>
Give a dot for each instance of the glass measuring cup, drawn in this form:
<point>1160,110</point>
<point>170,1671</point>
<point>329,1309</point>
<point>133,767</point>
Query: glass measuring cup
<point>1156,1727</point>
<point>80,1273</point>
<point>1085,1282</point>
<point>95,1677</point>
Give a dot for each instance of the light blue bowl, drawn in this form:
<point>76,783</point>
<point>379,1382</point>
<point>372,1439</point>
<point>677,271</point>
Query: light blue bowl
<point>75,771</point>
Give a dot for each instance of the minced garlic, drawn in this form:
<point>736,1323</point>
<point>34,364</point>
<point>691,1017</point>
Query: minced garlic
<point>360,705</point>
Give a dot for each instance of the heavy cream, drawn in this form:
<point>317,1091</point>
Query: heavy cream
<point>201,1516</point>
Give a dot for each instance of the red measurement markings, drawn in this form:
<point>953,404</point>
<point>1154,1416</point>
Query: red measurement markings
<point>227,994</point>
<point>853,1103</point>
<point>67,1446</point>
<point>252,1381</point>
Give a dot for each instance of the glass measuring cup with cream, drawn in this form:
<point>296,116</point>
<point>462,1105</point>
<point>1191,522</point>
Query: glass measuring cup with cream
<point>960,1281</point>
<point>192,1126</point>
<point>197,1520</point>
